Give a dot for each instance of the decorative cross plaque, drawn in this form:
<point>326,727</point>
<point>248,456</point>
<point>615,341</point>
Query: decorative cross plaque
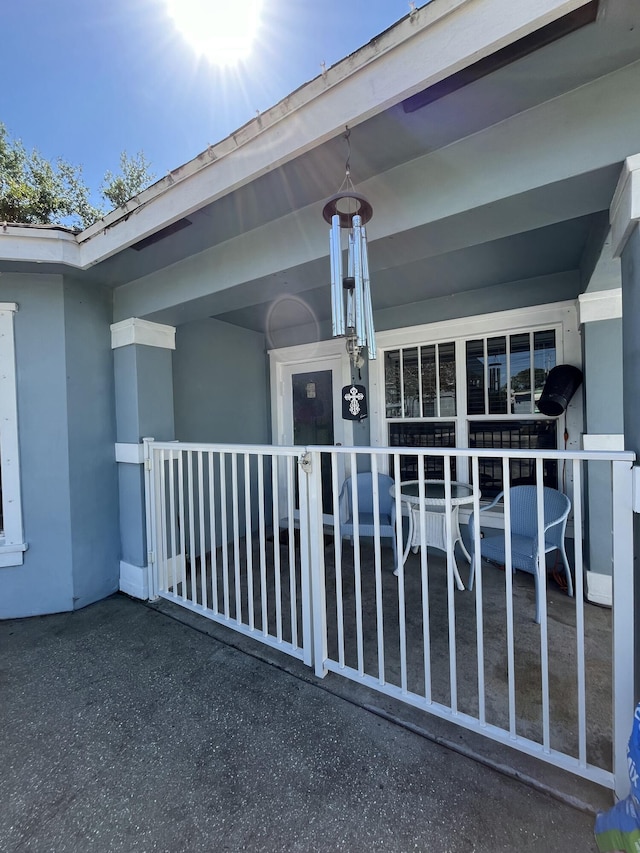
<point>354,402</point>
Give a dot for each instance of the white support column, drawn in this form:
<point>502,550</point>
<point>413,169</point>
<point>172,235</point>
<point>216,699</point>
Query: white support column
<point>144,406</point>
<point>625,244</point>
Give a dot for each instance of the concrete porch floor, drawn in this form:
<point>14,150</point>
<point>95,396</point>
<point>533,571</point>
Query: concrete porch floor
<point>135,728</point>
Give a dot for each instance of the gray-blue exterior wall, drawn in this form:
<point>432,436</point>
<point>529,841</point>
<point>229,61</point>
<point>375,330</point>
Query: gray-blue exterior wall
<point>66,434</point>
<point>91,425</point>
<point>220,384</point>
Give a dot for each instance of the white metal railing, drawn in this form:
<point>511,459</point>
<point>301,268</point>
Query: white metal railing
<point>219,544</point>
<point>253,538</point>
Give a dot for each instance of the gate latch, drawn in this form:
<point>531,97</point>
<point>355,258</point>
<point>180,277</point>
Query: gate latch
<point>305,462</point>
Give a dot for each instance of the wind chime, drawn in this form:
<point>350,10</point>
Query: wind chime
<point>347,212</point>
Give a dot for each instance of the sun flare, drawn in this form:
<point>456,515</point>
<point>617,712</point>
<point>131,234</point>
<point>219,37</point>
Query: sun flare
<point>222,31</point>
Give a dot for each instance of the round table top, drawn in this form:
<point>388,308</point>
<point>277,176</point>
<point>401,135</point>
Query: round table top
<point>434,492</point>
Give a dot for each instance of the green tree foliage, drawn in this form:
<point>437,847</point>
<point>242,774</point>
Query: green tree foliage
<point>34,190</point>
<point>135,175</point>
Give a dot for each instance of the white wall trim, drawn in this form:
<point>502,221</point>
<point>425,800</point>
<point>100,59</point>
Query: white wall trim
<point>625,206</point>
<point>596,441</point>
<point>137,331</point>
<point>600,305</point>
<point>600,589</point>
<point>134,580</point>
<point>480,324</point>
<point>303,353</point>
<point>12,538</point>
<point>132,453</point>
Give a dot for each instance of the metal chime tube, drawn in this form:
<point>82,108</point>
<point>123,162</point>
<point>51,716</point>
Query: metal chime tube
<point>351,317</point>
<point>337,304</point>
<point>370,332</point>
<point>357,273</point>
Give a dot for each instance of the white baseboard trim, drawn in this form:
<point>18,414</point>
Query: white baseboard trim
<point>599,589</point>
<point>134,580</point>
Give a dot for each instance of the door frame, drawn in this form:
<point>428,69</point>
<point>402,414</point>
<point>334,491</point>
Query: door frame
<point>284,362</point>
<point>324,355</point>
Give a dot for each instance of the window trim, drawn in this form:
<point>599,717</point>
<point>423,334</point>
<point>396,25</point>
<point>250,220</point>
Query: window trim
<point>12,546</point>
<point>562,316</point>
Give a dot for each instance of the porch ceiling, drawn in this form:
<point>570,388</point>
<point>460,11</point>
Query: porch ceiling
<point>550,228</point>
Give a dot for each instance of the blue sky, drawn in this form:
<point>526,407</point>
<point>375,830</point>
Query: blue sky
<point>87,79</point>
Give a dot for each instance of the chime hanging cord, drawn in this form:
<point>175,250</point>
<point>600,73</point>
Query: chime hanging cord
<point>347,182</point>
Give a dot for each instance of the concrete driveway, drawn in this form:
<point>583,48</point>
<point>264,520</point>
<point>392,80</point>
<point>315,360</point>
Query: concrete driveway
<point>125,730</point>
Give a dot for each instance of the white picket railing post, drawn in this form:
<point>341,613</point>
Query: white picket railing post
<point>623,622</point>
<point>150,517</point>
<point>311,465</point>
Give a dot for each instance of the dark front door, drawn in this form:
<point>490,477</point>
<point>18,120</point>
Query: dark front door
<point>313,419</point>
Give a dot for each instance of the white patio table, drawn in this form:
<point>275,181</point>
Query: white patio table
<point>432,508</point>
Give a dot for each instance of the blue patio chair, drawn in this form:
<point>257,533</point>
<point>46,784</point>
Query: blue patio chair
<point>524,534</point>
<point>366,518</point>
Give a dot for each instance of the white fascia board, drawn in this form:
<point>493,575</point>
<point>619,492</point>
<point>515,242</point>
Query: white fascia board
<point>144,332</point>
<point>45,246</point>
<point>625,206</point>
<point>425,48</point>
<point>600,305</point>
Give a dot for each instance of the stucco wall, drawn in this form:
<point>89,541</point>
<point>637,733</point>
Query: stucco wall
<point>66,436</point>
<point>91,423</point>
<point>220,384</point>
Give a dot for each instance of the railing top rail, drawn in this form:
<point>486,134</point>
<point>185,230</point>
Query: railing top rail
<point>258,449</point>
<point>493,453</point>
<point>489,453</point>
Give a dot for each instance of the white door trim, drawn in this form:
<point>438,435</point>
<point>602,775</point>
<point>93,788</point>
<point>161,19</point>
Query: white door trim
<point>324,355</point>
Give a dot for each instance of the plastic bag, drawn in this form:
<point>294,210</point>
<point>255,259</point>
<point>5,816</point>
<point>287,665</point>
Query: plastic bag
<point>619,828</point>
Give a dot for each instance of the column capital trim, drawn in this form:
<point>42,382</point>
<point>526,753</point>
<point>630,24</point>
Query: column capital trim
<point>624,213</point>
<point>600,305</point>
<point>143,332</point>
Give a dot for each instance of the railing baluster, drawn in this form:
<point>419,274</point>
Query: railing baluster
<point>235,495</point>
<point>212,534</point>
<point>377,567</point>
<point>248,538</point>
<point>182,526</point>
<point>542,599</point>
<point>276,547</point>
<point>263,549</point>
<point>475,482</point>
<point>161,523</point>
<point>424,577</point>
<point>356,564</point>
<point>224,534</point>
<point>173,521</point>
<point>337,545</point>
<point>508,576</point>
<point>203,541</point>
<point>402,610</point>
<point>451,590</point>
<point>192,529</point>
<point>291,540</point>
<point>579,599</point>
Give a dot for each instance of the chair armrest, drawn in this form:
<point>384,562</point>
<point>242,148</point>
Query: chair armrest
<point>470,523</point>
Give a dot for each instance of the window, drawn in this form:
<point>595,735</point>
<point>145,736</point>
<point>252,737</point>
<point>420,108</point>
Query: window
<point>478,390</point>
<point>11,544</point>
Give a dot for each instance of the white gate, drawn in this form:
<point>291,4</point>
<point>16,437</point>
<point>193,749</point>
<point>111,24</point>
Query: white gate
<point>240,535</point>
<point>223,523</point>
